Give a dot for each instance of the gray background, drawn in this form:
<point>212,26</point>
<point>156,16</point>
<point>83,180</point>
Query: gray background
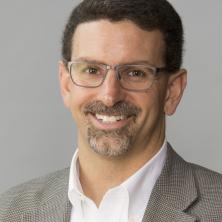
<point>37,134</point>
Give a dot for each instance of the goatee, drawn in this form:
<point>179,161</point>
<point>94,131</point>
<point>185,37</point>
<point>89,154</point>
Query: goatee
<point>112,143</point>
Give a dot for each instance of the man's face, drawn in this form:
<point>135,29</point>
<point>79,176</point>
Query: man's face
<point>111,120</point>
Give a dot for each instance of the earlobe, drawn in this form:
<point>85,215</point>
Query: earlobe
<point>65,85</point>
<point>176,85</point>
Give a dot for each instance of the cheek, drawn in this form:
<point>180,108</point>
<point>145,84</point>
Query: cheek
<point>79,97</point>
<point>150,111</point>
<point>152,106</point>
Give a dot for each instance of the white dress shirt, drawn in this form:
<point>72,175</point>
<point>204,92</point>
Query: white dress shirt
<point>124,203</point>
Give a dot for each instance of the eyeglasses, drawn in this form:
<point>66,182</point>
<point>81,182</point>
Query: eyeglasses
<point>133,77</point>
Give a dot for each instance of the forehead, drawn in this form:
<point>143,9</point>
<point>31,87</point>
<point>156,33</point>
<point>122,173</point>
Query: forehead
<point>117,42</point>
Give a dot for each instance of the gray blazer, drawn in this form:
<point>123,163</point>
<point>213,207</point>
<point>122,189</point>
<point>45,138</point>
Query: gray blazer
<point>184,192</point>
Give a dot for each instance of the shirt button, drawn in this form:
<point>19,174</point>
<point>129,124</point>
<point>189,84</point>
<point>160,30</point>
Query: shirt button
<point>81,197</point>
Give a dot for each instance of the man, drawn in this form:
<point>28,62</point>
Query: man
<point>120,76</point>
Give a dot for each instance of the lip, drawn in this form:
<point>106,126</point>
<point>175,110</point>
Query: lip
<point>107,126</point>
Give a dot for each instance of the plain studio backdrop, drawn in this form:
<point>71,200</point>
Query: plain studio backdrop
<point>37,134</point>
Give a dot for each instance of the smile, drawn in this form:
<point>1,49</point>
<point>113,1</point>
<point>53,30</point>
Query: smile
<point>110,119</point>
<point>106,122</point>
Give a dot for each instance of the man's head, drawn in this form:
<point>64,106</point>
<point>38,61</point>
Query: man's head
<point>123,76</point>
<point>147,14</point>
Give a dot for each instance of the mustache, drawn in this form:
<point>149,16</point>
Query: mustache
<point>120,108</point>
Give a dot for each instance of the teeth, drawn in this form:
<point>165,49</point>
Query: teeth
<point>109,119</point>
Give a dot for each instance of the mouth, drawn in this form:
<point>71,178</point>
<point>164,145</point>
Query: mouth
<point>109,119</point>
<point>108,122</point>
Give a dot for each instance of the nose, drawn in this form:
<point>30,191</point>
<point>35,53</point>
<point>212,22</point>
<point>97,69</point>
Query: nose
<point>111,91</point>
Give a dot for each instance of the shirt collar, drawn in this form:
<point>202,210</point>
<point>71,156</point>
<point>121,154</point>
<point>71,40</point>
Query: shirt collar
<point>139,185</point>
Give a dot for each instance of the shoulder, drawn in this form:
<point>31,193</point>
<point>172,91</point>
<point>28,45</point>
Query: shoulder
<point>199,184</point>
<point>203,177</point>
<point>33,193</point>
<point>208,181</point>
<point>208,205</point>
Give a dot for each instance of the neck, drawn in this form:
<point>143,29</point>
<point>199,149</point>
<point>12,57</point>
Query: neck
<point>98,173</point>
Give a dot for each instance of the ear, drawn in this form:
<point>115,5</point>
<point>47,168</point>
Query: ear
<point>65,83</point>
<point>176,85</point>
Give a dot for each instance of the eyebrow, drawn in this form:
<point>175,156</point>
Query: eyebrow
<point>136,62</point>
<point>86,59</point>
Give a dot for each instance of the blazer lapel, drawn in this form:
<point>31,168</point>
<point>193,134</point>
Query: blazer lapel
<point>173,193</point>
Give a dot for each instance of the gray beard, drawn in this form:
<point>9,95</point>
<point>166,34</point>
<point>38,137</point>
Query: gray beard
<point>111,143</point>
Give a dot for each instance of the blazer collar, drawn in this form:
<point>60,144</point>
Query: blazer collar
<point>174,192</point>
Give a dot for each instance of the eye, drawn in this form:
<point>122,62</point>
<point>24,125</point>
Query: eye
<point>136,73</point>
<point>91,70</point>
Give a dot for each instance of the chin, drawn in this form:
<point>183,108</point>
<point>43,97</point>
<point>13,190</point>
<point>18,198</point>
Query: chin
<point>110,146</point>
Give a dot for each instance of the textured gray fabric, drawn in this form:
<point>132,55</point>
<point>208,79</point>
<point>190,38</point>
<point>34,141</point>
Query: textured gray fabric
<point>184,192</point>
<point>44,199</point>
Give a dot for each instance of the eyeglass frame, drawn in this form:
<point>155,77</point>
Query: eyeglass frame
<point>156,71</point>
